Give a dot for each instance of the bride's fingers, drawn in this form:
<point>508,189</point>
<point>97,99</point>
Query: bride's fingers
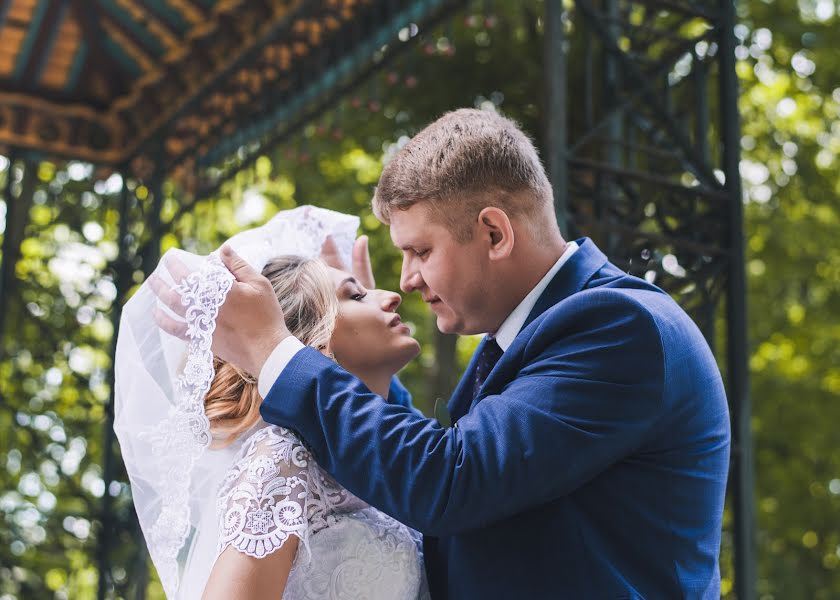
<point>170,325</point>
<point>362,269</point>
<point>330,255</point>
<point>167,295</point>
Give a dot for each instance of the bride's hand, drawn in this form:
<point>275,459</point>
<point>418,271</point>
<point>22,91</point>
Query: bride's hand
<point>250,323</point>
<point>362,270</point>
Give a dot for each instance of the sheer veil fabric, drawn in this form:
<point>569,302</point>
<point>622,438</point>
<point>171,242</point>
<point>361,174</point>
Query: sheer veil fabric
<point>160,386</point>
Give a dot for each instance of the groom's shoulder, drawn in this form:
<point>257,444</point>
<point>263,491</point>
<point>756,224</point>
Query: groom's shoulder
<point>615,298</point>
<point>622,308</point>
<point>616,310</point>
<point>618,294</point>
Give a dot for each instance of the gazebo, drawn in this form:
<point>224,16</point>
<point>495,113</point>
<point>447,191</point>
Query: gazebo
<point>641,135</point>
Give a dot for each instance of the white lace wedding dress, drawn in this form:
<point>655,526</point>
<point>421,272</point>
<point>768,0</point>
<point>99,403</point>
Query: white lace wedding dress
<point>347,548</point>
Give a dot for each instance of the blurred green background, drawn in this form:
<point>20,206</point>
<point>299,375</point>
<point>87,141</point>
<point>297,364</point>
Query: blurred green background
<point>53,376</point>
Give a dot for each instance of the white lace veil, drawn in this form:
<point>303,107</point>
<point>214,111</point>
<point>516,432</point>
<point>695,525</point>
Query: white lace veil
<point>161,382</point>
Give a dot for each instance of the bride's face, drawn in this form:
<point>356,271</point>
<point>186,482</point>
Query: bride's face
<point>369,334</point>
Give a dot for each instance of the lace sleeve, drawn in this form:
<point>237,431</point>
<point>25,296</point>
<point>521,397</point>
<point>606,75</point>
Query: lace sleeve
<point>264,497</point>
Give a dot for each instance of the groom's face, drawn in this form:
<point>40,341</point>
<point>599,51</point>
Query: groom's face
<point>452,277</point>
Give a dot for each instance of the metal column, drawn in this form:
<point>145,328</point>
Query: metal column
<point>5,261</point>
<point>742,473</point>
<point>151,256</point>
<point>17,216</point>
<point>122,281</point>
<point>554,61</point>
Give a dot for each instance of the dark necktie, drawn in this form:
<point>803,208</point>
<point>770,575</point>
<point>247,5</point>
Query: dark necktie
<point>490,355</point>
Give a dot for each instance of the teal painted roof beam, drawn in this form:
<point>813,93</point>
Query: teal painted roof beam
<point>53,35</point>
<point>30,38</point>
<point>362,55</point>
<point>167,14</point>
<point>118,14</point>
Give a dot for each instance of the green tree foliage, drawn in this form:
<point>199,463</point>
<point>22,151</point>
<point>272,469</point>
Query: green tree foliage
<point>54,370</point>
<point>790,75</point>
<point>54,384</point>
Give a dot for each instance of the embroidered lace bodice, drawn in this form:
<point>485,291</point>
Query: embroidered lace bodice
<point>347,548</point>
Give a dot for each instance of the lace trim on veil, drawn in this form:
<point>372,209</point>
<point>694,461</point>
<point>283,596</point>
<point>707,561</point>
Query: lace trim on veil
<point>184,434</point>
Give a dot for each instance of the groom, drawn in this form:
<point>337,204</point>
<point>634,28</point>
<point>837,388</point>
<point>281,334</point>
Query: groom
<point>588,456</point>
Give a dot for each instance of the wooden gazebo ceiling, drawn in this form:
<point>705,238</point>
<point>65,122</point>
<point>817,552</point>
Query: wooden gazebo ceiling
<point>155,83</point>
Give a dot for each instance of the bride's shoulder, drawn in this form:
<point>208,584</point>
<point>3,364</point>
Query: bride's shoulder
<point>263,498</point>
<point>271,449</point>
<point>265,436</point>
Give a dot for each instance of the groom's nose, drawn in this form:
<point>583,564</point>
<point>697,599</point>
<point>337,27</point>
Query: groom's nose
<point>410,279</point>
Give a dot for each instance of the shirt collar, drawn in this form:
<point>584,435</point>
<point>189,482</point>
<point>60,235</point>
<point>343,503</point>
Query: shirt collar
<point>511,326</point>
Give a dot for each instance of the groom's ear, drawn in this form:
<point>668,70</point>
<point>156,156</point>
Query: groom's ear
<point>496,228</point>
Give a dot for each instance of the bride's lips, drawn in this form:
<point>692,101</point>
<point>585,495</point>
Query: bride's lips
<point>397,323</point>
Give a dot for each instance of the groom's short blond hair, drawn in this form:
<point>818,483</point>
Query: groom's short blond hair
<point>465,161</point>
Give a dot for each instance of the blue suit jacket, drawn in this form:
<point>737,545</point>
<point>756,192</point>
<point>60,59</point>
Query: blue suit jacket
<point>592,464</point>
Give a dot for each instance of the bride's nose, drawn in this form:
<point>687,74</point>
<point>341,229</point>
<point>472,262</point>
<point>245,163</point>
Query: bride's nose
<point>390,301</point>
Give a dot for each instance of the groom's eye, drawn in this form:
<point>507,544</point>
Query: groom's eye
<point>420,253</point>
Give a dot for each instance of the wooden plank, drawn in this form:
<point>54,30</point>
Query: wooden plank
<point>15,18</point>
<point>21,11</point>
<point>12,37</point>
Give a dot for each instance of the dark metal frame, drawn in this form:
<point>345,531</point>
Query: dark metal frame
<point>6,265</point>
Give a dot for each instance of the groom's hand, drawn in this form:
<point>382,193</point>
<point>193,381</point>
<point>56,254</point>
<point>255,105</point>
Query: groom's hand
<point>250,323</point>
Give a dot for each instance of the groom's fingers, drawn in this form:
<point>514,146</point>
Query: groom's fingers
<point>167,295</point>
<point>362,270</point>
<point>239,268</point>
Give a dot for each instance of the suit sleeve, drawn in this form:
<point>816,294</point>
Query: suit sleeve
<point>587,393</point>
<point>399,394</point>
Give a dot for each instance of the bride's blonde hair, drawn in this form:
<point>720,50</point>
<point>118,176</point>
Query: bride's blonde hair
<point>307,297</point>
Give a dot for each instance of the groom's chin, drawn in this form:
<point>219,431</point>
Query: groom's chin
<point>446,324</point>
<point>459,327</point>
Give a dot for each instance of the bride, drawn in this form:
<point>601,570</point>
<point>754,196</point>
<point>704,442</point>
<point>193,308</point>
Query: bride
<point>230,506</point>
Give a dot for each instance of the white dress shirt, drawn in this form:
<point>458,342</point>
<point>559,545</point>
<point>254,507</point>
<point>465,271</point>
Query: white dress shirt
<point>285,351</point>
<point>511,327</point>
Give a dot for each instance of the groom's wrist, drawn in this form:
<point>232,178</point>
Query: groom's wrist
<point>273,364</point>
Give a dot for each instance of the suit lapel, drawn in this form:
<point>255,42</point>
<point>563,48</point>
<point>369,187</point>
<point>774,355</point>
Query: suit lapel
<point>570,279</point>
<point>462,396</point>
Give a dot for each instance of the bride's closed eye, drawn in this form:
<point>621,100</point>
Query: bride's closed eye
<point>352,291</point>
